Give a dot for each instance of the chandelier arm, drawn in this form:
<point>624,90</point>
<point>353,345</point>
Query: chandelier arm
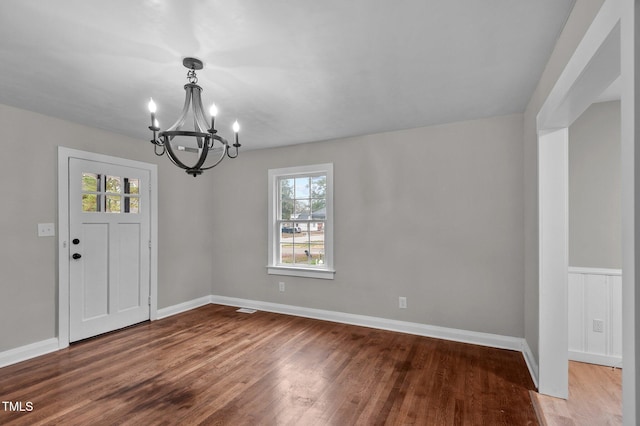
<point>155,149</point>
<point>188,88</point>
<point>176,162</point>
<point>203,155</point>
<point>200,141</point>
<point>225,147</point>
<point>219,139</point>
<point>200,120</point>
<point>233,156</point>
<point>218,161</point>
<point>172,156</point>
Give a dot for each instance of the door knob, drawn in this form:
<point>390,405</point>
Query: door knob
<point>76,256</point>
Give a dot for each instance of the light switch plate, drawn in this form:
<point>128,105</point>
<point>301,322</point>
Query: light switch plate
<point>46,230</point>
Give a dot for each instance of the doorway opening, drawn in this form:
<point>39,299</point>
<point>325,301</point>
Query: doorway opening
<point>593,68</point>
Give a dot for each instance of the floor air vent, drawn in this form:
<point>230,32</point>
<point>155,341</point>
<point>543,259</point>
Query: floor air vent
<point>246,311</point>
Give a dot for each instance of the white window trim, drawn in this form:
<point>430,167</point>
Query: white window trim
<point>273,268</point>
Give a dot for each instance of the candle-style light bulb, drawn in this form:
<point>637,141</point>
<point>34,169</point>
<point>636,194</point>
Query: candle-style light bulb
<point>213,111</point>
<point>152,110</point>
<point>236,129</point>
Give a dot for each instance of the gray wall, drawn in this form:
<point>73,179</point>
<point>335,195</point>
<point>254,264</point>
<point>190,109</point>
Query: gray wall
<point>579,21</point>
<point>595,231</point>
<point>28,285</point>
<point>433,214</point>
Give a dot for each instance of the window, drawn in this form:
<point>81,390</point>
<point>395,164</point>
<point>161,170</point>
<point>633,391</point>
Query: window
<point>301,221</point>
<point>109,194</point>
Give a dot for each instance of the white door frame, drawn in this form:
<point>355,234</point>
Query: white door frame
<point>553,185</point>
<point>64,154</point>
<point>606,51</point>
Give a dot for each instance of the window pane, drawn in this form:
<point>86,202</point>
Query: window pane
<point>302,209</point>
<point>90,182</point>
<point>319,187</point>
<point>301,254</point>
<point>288,230</point>
<point>90,203</point>
<point>316,243</point>
<point>135,205</point>
<point>131,186</point>
<point>302,188</point>
<point>286,252</point>
<point>286,189</point>
<point>112,204</point>
<point>113,184</point>
<point>131,205</point>
<point>287,209</point>
<point>318,209</point>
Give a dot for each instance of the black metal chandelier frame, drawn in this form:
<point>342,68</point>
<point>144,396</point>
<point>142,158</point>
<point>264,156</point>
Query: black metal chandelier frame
<point>206,136</point>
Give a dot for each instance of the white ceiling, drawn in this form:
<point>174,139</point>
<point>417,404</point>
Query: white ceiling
<point>290,71</point>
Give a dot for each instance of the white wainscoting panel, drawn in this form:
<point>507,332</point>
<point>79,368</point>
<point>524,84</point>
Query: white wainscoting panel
<point>595,298</point>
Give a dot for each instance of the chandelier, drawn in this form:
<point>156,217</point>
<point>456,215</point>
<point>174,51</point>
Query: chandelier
<point>198,149</point>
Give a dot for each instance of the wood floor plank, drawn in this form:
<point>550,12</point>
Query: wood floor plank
<point>213,365</point>
<point>595,398</point>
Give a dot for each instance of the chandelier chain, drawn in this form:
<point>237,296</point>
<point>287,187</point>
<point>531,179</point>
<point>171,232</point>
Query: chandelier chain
<point>191,76</point>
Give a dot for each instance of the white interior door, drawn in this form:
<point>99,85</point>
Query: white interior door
<point>109,256</point>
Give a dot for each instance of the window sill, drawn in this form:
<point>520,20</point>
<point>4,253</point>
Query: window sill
<point>325,274</point>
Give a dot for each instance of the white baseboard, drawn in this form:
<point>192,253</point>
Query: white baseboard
<point>607,360</point>
<point>32,350</point>
<point>594,271</point>
<point>464,336</point>
<point>532,365</point>
<point>183,307</point>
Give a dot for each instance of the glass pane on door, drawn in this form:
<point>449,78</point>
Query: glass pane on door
<point>90,203</point>
<point>90,182</point>
<point>114,184</point>
<point>112,204</point>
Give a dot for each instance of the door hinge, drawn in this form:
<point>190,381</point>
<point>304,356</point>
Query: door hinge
<point>149,243</point>
<point>149,301</point>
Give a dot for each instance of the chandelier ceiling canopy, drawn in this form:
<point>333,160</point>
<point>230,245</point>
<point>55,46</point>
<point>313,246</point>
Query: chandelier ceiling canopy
<point>198,149</point>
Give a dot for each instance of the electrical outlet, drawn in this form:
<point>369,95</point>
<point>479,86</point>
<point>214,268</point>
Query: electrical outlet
<point>402,302</point>
<point>598,326</point>
<point>281,286</point>
<point>46,230</point>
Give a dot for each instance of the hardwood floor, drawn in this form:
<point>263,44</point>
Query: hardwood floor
<point>213,365</point>
<point>595,398</point>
